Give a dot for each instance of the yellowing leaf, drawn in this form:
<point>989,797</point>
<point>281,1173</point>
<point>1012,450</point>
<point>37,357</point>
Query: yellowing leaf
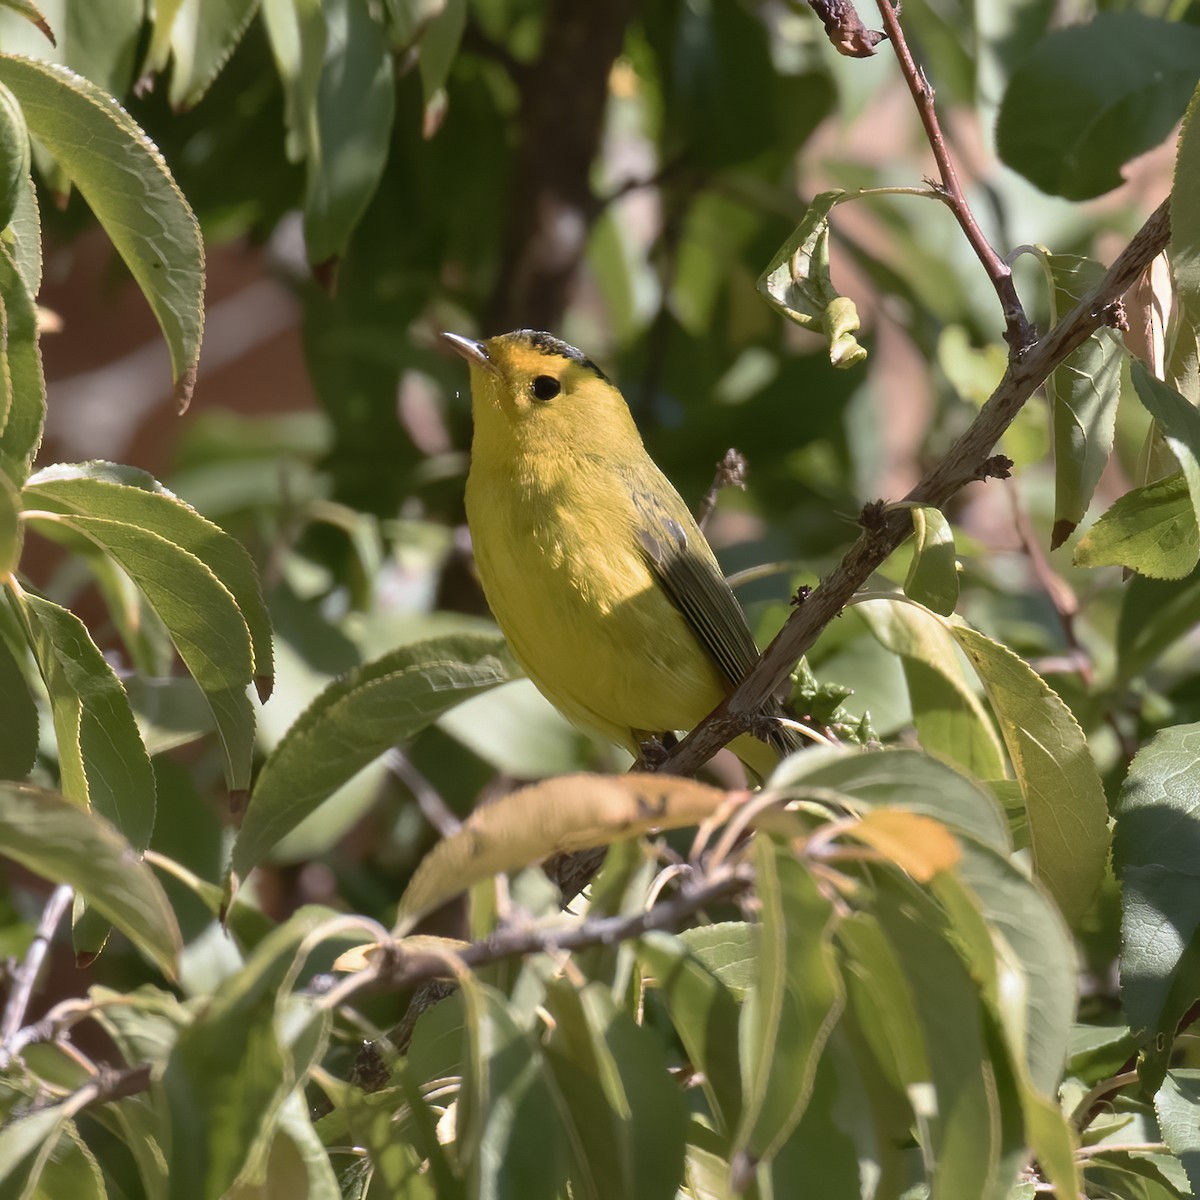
<point>556,816</point>
<point>918,845</point>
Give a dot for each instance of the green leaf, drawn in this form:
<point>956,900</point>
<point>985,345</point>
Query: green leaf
<point>1183,252</point>
<point>127,185</point>
<point>797,283</point>
<point>1154,614</point>
<point>230,1072</point>
<point>21,368</point>
<point>352,125</point>
<point>18,719</point>
<point>705,1016</point>
<point>14,155</point>
<point>30,12</point>
<point>297,34</point>
<point>100,489</point>
<point>1155,853</point>
<point>788,1017</point>
<point>354,720</point>
<point>958,1109</point>
<point>1064,799</point>
<point>933,574</point>
<point>50,836</point>
<point>1091,97</point>
<point>1151,530</point>
<point>904,779</point>
<point>24,238</point>
<point>952,723</point>
<point>102,761</point>
<point>1175,1106</point>
<point>1083,391</point>
<point>729,949</point>
<point>204,33</point>
<point>439,44</point>
<point>203,619</point>
<point>24,1143</point>
<point>1179,422</point>
<point>507,1132</point>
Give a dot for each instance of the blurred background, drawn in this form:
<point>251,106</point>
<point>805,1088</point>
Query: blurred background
<point>619,173</point>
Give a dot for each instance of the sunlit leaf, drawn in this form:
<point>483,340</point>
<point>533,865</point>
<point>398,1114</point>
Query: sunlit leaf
<point>1176,1105</point>
<point>21,367</point>
<point>204,33</point>
<point>933,574</point>
<point>52,837</point>
<point>1151,530</point>
<point>14,155</point>
<point>1064,799</point>
<point>952,723</point>
<point>798,284</point>
<point>356,719</point>
<point>102,761</point>
<point>127,185</point>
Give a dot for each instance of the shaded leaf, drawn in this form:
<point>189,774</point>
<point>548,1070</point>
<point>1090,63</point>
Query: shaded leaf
<point>797,282</point>
<point>18,719</point>
<point>204,33</point>
<point>127,185</point>
<point>1064,799</point>
<point>1183,251</point>
<point>556,816</point>
<point>352,123</point>
<point>230,1070</point>
<point>729,949</point>
<point>1156,851</point>
<point>354,720</point>
<point>705,1016</point>
<point>53,838</point>
<point>933,574</point>
<point>788,1017</point>
<point>1179,422</point>
<point>1154,615</point>
<point>1151,530</point>
<point>1090,97</point>
<point>1083,391</point>
<point>24,238</point>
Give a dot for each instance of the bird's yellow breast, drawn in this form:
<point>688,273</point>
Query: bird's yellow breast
<point>560,563</point>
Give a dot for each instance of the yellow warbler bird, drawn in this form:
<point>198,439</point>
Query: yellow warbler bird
<point>603,584</point>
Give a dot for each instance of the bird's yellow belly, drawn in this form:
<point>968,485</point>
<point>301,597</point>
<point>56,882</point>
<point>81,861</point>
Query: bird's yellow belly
<point>586,618</point>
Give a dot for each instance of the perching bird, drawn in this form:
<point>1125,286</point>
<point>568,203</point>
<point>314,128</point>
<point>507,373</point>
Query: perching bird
<point>603,584</point>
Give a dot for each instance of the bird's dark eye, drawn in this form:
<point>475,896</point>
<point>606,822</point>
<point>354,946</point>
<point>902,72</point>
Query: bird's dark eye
<point>545,387</point>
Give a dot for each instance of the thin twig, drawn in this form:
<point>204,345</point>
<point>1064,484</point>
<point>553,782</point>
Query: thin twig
<point>26,974</point>
<point>1018,331</point>
<point>731,472</point>
<point>434,809</point>
<point>844,28</point>
<point>968,460</point>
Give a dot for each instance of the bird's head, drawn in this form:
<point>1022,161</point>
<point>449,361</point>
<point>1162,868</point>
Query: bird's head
<point>531,390</point>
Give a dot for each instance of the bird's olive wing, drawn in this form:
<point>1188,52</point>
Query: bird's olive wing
<point>693,583</point>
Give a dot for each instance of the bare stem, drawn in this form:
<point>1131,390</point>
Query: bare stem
<point>731,472</point>
<point>1018,332</point>
<point>26,974</point>
<point>967,460</point>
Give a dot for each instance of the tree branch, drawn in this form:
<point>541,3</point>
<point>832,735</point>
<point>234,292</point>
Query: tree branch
<point>26,974</point>
<point>1018,331</point>
<point>968,460</point>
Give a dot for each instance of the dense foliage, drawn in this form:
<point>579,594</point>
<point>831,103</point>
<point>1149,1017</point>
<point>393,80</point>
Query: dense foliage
<point>269,759</point>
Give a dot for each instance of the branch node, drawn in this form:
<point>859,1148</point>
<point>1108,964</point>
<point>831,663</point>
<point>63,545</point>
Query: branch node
<point>1113,315</point>
<point>999,466</point>
<point>845,30</point>
<point>873,517</point>
<point>801,594</point>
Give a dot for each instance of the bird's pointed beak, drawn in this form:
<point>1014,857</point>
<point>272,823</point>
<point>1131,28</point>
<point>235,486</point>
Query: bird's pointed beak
<point>473,351</point>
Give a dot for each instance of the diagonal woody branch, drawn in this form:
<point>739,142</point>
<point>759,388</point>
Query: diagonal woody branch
<point>968,460</point>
